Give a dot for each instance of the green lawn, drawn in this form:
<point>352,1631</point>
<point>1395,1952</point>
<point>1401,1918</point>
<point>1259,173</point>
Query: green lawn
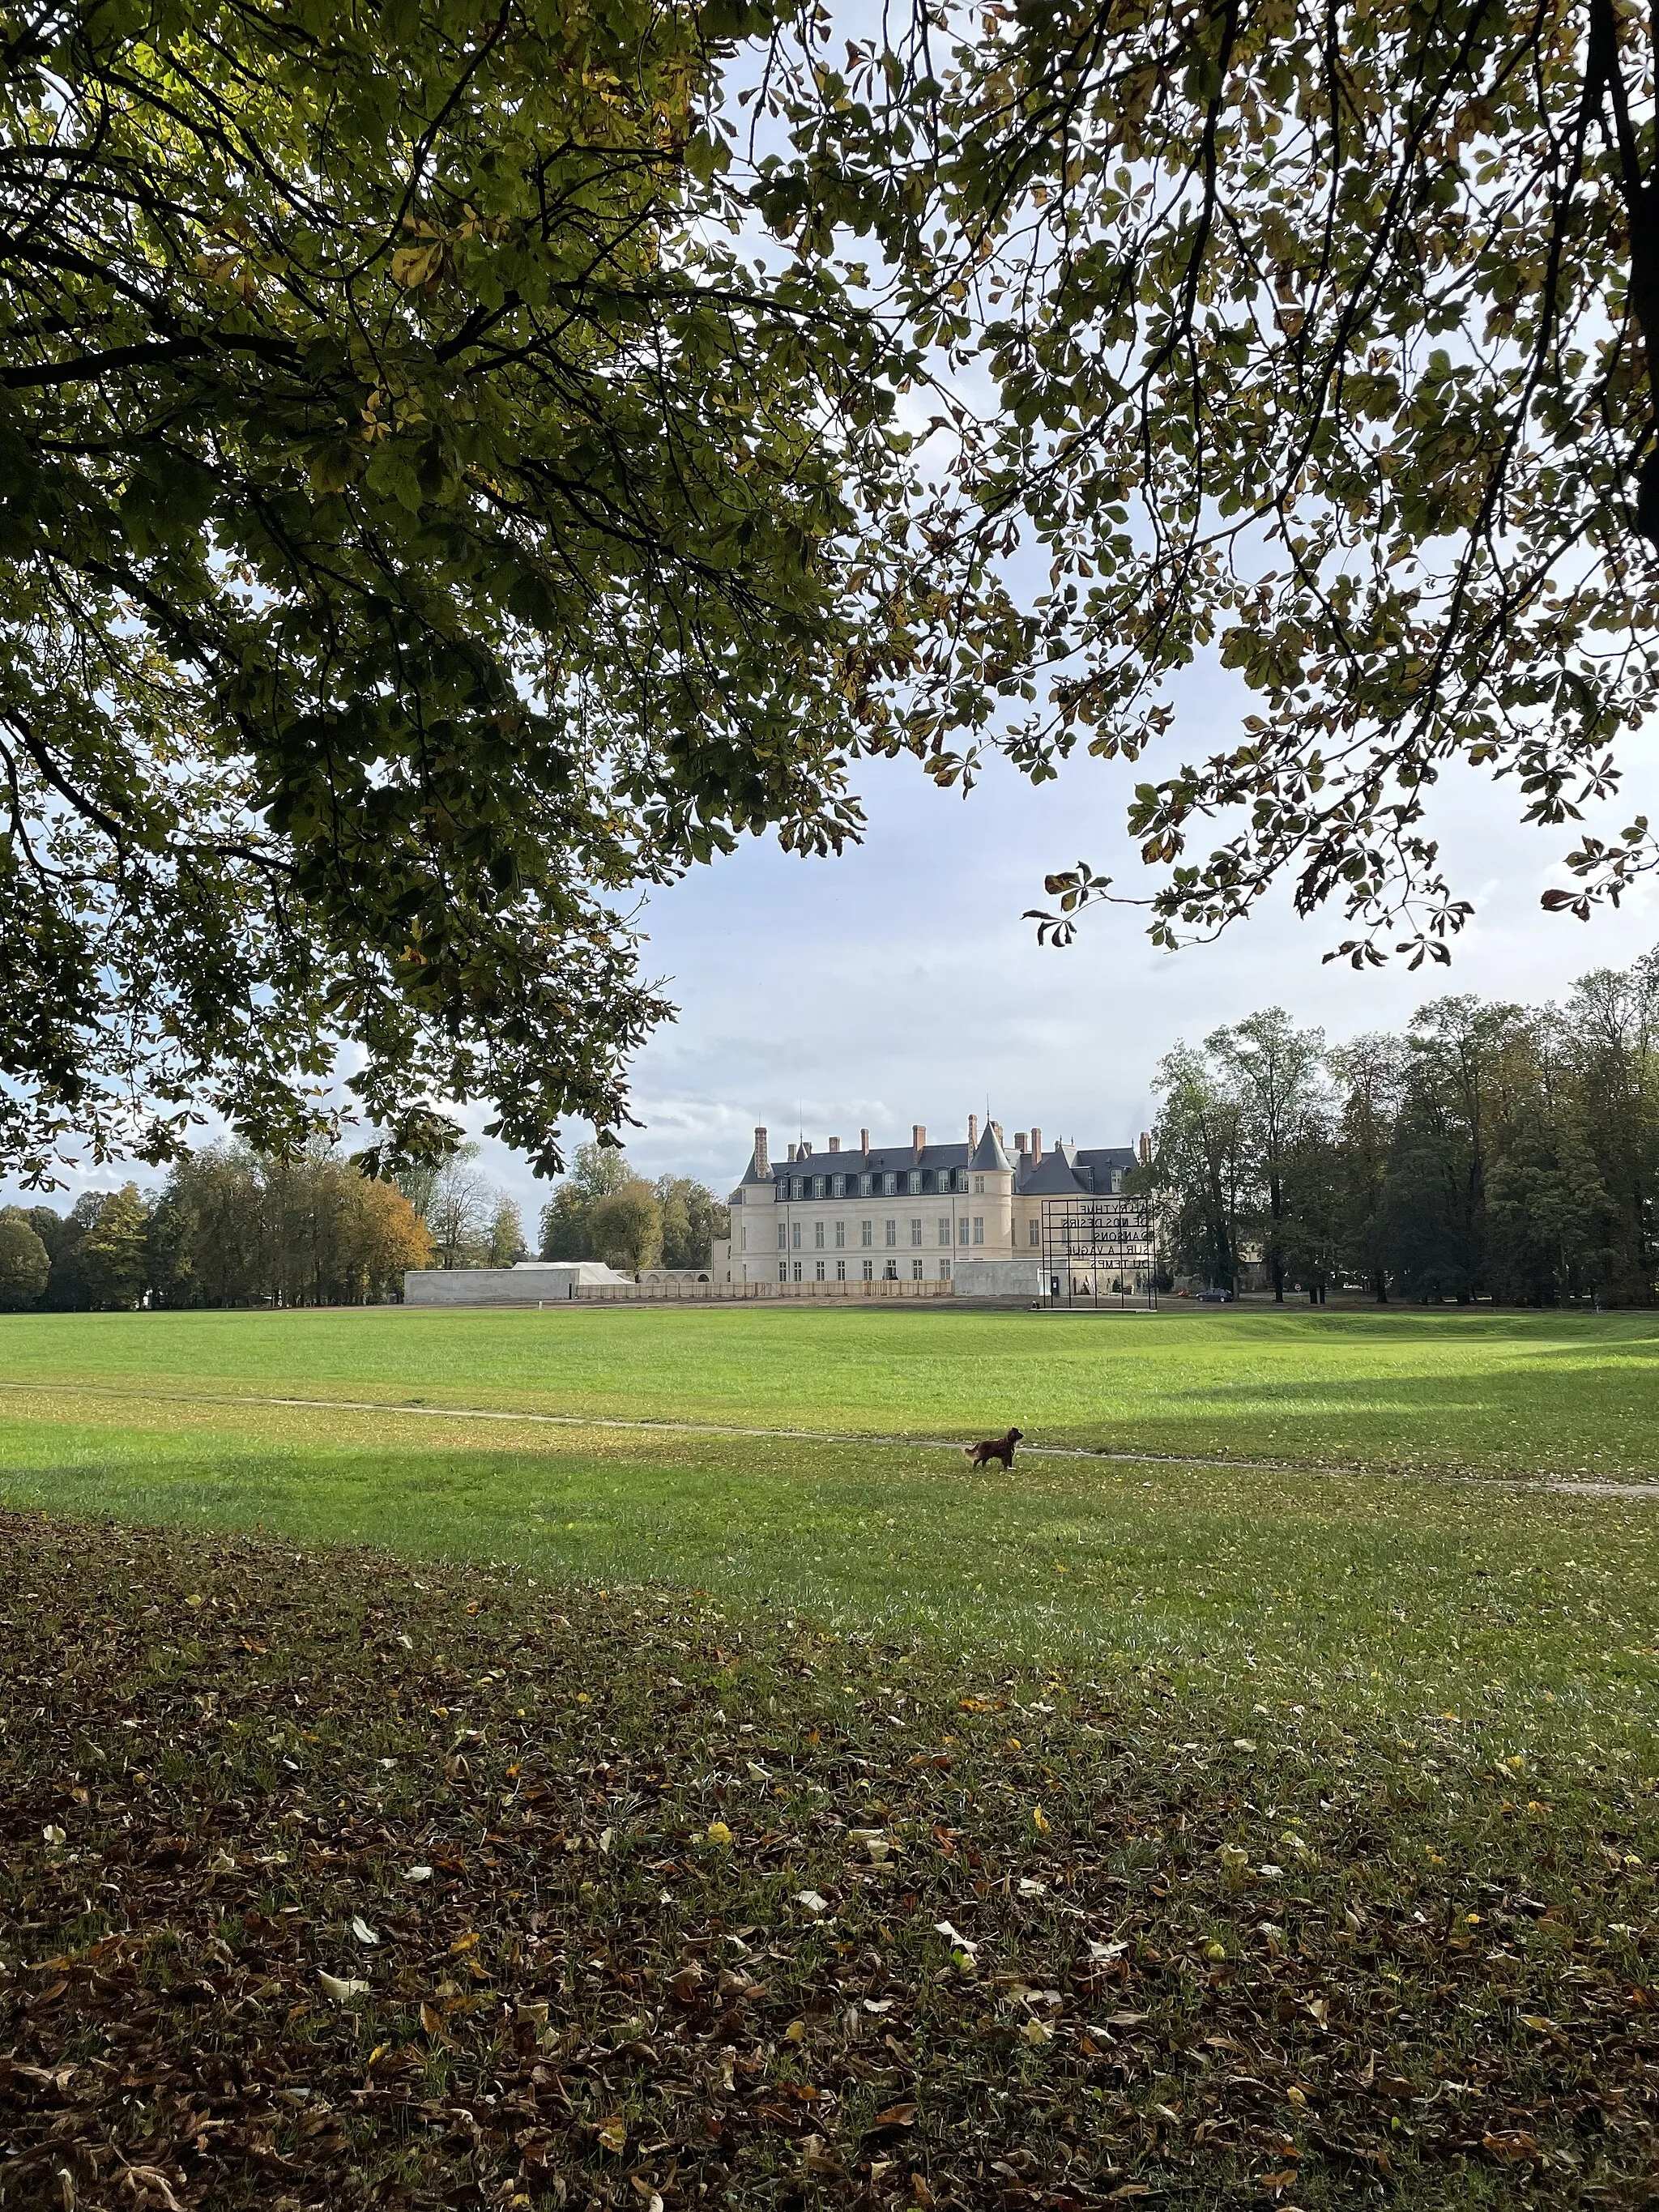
<point>1383,1591</point>
<point>1547,1393</point>
<point>1295,1813</point>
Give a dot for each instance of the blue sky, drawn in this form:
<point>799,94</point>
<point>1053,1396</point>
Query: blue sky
<point>899,983</point>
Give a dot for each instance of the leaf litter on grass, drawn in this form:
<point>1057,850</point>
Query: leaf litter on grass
<point>330,1879</point>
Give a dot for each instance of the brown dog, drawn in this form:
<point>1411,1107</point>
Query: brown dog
<point>1001,1447</point>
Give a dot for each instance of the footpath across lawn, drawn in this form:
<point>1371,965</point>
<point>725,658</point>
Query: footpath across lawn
<point>333,1879</point>
<point>1525,1394</point>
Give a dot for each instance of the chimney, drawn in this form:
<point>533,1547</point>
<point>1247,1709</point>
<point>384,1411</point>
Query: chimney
<point>1145,1148</point>
<point>805,1152</point>
<point>972,1134</point>
<point>1019,1141</point>
<point>763,1166</point>
<point>996,1131</point>
<point>864,1142</point>
<point>834,1144</point>
<point>918,1136</point>
<point>1037,1148</point>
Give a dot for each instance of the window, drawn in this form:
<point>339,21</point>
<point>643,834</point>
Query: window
<point>866,1232</point>
<point>797,1187</point>
<point>892,1232</point>
<point>867,1186</point>
<point>889,1273</point>
<point>783,1235</point>
<point>797,1271</point>
<point>1036,1232</point>
<point>817,1235</point>
<point>743,1237</point>
<point>915,1271</point>
<point>794,1234</point>
<point>945,1229</point>
<point>869,1270</point>
<point>841,1237</point>
<point>915,1183</point>
<point>915,1232</point>
<point>837,1185</point>
<point>783,1271</point>
<point>820,1187</point>
<point>888,1185</point>
<point>979,1229</point>
<point>979,1186</point>
<point>817,1271</point>
<point>841,1270</point>
<point>945,1271</point>
<point>962,1230</point>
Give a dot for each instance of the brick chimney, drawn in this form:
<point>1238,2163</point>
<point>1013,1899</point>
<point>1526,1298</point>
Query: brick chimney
<point>996,1131</point>
<point>790,1154</point>
<point>1037,1148</point>
<point>762,1165</point>
<point>972,1134</point>
<point>834,1144</point>
<point>1145,1148</point>
<point>1019,1141</point>
<point>918,1136</point>
<point>864,1141</point>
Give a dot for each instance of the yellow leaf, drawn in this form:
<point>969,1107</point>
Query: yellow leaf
<point>613,2134</point>
<point>718,1832</point>
<point>1040,1821</point>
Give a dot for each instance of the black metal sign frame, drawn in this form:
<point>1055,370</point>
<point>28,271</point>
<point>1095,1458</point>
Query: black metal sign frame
<point>1100,1252</point>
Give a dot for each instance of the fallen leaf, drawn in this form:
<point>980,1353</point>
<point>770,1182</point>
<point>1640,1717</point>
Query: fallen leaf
<point>343,1988</point>
<point>895,2116</point>
<point>363,1931</point>
<point>613,2134</point>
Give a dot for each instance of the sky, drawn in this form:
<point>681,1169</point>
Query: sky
<point>899,983</point>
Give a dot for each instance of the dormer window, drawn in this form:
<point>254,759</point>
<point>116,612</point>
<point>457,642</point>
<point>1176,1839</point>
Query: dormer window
<point>837,1185</point>
<point>915,1182</point>
<point>797,1187</point>
<point>820,1186</point>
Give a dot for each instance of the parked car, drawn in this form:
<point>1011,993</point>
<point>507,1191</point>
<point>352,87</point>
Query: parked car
<point>1214,1297</point>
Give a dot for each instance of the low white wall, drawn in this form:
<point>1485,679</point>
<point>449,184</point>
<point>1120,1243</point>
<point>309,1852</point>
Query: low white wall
<point>999,1278</point>
<point>492,1286</point>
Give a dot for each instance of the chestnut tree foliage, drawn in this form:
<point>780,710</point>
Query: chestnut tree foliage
<point>456,471</point>
<point>423,523</point>
<point>1317,339</point>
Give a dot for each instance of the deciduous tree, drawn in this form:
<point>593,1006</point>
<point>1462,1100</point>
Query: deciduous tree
<point>421,524</point>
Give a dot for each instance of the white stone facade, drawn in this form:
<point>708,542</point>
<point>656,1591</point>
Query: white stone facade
<point>902,1214</point>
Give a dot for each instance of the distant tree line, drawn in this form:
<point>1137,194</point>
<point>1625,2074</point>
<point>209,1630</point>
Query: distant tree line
<point>1492,1150</point>
<point>230,1229</point>
<point>603,1210</point>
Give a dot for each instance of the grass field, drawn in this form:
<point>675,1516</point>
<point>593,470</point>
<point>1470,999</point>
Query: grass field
<point>1313,1754</point>
<point>1511,1393</point>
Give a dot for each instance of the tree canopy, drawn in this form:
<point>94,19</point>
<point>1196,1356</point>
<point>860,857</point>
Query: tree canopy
<point>1318,337</point>
<point>1491,1151</point>
<point>419,526</point>
<point>452,479</point>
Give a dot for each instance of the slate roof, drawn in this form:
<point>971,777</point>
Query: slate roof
<point>1065,1170</point>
